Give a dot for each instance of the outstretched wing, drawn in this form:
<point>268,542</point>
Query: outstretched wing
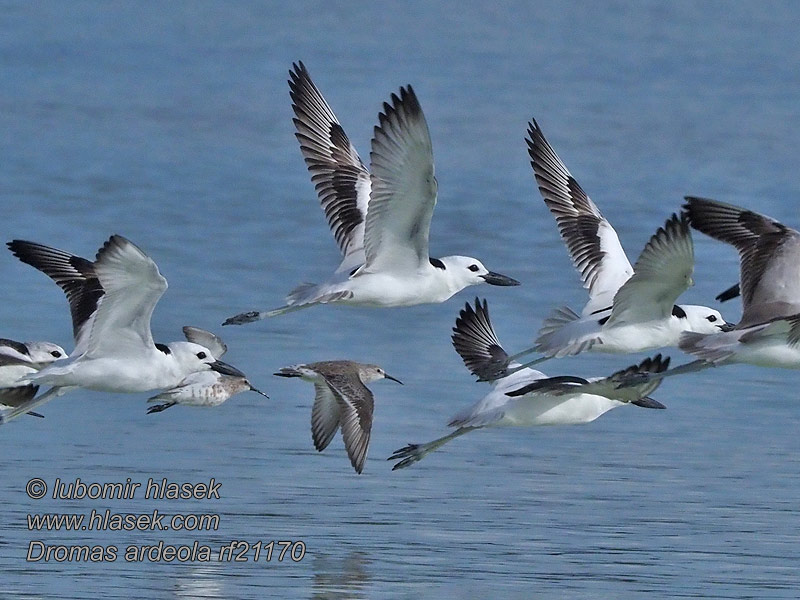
<point>769,253</point>
<point>403,187</point>
<point>325,416</point>
<point>475,341</point>
<point>74,275</point>
<point>356,406</point>
<point>661,274</point>
<point>205,338</point>
<point>632,384</point>
<point>133,286</point>
<point>340,178</point>
<point>591,240</point>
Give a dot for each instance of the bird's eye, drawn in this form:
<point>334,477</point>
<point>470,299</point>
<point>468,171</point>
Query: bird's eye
<point>55,354</point>
<point>473,268</point>
<point>201,355</point>
<point>711,318</point>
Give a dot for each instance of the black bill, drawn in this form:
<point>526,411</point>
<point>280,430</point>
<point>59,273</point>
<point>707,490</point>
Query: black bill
<point>493,278</point>
<point>225,369</point>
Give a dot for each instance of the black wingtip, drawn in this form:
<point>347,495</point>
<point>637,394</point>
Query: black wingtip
<point>655,364</point>
<point>407,102</point>
<point>475,342</point>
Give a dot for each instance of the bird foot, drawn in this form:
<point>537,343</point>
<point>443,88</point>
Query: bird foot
<point>240,319</point>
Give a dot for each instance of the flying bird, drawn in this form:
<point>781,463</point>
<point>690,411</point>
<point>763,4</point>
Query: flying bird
<point>380,219</point>
<point>111,301</point>
<point>630,309</point>
<point>768,334</point>
<point>204,388</point>
<point>526,397</point>
<point>342,401</point>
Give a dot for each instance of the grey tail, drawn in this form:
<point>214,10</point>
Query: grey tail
<point>282,310</point>
<point>546,342</point>
<point>305,295</point>
<point>300,297</point>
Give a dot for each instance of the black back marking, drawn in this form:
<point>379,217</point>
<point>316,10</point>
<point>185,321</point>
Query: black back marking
<point>18,346</point>
<point>164,348</point>
<point>437,263</point>
<point>548,384</point>
<point>677,311</point>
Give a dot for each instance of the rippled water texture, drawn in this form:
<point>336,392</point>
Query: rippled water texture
<point>170,123</point>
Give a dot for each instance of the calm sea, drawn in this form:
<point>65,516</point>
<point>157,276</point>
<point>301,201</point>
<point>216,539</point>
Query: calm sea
<point>170,123</point>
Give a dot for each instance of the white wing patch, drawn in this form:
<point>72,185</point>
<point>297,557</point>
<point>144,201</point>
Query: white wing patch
<point>661,274</point>
<point>133,286</point>
<point>403,187</point>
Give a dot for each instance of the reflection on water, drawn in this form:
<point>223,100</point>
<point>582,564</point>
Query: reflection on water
<point>171,124</point>
<point>200,582</point>
<point>340,578</point>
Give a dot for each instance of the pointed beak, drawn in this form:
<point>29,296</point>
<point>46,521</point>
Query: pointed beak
<point>727,327</point>
<point>648,402</point>
<point>387,376</point>
<point>252,389</point>
<point>493,278</point>
<point>226,369</point>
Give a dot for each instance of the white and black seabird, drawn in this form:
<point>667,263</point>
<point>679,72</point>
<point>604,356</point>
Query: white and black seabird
<point>526,397</point>
<point>630,309</point>
<point>380,219</point>
<point>111,301</point>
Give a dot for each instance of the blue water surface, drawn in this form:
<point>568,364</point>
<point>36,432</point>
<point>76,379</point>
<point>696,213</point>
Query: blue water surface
<point>170,123</point>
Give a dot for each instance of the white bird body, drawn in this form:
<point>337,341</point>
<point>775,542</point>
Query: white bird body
<point>111,301</point>
<point>496,409</point>
<point>630,309</point>
<point>151,370</point>
<point>380,219</point>
<point>526,397</point>
<point>587,333</point>
<point>204,388</point>
<point>387,289</point>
